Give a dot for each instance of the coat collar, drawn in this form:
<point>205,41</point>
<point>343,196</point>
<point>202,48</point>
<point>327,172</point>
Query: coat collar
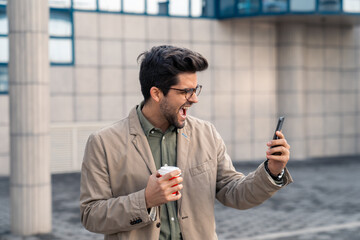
<point>142,145</point>
<point>139,140</point>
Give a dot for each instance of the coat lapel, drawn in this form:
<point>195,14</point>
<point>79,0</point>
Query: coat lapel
<point>140,142</point>
<point>183,143</point>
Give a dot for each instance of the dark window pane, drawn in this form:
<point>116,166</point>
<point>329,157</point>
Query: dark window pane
<point>60,24</point>
<point>4,53</point>
<point>329,5</point>
<point>302,5</point>
<point>270,6</point>
<point>4,79</point>
<point>60,3</point>
<point>248,6</point>
<point>110,5</point>
<point>60,50</point>
<point>208,8</point>
<point>3,22</point>
<point>85,4</point>
<point>227,8</point>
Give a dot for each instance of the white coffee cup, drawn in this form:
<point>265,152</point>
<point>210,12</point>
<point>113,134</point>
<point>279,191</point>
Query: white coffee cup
<point>166,169</point>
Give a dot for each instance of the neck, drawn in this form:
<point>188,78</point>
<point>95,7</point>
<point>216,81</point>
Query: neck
<point>152,113</point>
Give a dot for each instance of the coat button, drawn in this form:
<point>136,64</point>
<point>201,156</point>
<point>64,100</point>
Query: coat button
<point>158,225</point>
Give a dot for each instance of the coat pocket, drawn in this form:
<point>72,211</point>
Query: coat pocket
<point>199,169</point>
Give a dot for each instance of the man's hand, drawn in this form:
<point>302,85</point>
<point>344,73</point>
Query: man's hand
<point>159,190</point>
<point>278,162</point>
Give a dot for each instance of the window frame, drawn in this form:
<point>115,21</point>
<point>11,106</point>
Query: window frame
<point>71,37</point>
<point>4,64</point>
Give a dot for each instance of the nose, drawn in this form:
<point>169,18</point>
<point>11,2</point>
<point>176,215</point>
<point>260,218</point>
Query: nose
<point>194,98</point>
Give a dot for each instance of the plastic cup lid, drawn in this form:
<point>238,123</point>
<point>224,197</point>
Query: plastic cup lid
<point>166,169</point>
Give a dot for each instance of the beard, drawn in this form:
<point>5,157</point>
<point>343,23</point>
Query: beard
<point>171,113</point>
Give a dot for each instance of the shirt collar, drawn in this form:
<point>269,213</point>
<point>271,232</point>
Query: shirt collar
<point>146,125</point>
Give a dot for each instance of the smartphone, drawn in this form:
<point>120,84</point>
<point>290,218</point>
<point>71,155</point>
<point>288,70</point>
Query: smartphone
<point>278,128</point>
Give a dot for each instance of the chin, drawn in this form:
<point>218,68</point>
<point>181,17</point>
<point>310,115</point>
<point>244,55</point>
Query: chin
<point>180,125</point>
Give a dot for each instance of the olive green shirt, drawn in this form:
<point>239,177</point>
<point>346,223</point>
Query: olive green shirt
<point>163,148</point>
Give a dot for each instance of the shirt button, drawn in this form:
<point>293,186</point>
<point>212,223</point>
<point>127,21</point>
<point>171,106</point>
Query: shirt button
<point>163,137</point>
<point>152,132</point>
<point>172,219</point>
<point>158,225</point>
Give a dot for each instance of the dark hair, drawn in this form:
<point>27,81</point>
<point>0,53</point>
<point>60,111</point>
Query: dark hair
<point>161,65</point>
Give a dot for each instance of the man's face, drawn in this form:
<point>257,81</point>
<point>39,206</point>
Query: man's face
<point>174,105</point>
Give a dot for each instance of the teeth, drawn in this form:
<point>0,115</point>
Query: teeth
<point>186,108</point>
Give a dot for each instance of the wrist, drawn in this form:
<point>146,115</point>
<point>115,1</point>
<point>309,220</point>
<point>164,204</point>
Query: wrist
<point>276,177</point>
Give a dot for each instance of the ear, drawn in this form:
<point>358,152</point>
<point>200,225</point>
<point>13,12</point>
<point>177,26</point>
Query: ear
<point>156,94</point>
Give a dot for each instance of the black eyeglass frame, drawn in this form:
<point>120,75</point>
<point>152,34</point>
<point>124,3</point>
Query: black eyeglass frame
<point>190,91</point>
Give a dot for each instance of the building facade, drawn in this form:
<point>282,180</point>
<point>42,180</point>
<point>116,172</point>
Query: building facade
<point>300,59</point>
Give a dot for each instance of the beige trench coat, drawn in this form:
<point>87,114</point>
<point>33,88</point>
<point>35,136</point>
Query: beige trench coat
<point>118,162</point>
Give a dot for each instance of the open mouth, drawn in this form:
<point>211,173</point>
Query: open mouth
<point>183,111</point>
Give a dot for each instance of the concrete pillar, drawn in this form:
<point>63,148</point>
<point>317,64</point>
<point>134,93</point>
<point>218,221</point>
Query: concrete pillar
<point>291,81</point>
<point>30,181</point>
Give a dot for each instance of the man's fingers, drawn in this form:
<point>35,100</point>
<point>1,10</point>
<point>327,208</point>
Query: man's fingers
<point>284,153</point>
<point>280,134</point>
<point>175,180</point>
<point>172,174</point>
<point>174,197</point>
<point>278,142</point>
<point>173,193</point>
<point>277,158</point>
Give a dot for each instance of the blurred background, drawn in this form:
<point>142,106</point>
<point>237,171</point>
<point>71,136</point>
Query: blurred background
<point>267,58</point>
<point>297,58</point>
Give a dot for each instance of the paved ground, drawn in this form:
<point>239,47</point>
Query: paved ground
<point>323,203</point>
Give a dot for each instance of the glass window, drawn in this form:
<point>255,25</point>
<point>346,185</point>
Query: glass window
<point>4,79</point>
<point>60,24</point>
<point>351,6</point>
<point>3,2</point>
<point>248,6</point>
<point>227,8</point>
<point>329,5</point>
<point>3,22</point>
<point>60,3</point>
<point>196,8</point>
<point>153,6</point>
<point>85,4</point>
<point>302,5</point>
<point>60,31</point>
<point>4,46</point>
<point>274,6</point>
<point>110,5</point>
<point>179,7</point>
<point>60,50</point>
<point>207,8</point>
<point>134,6</point>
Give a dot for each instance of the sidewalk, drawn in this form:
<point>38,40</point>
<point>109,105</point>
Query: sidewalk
<point>322,203</point>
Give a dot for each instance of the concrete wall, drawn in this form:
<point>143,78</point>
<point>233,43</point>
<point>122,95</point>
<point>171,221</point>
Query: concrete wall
<point>258,70</point>
<point>318,73</point>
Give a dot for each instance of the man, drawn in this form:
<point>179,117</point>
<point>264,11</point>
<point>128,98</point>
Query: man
<point>122,194</point>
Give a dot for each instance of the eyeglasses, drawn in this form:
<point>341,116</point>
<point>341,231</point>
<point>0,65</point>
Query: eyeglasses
<point>189,91</point>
